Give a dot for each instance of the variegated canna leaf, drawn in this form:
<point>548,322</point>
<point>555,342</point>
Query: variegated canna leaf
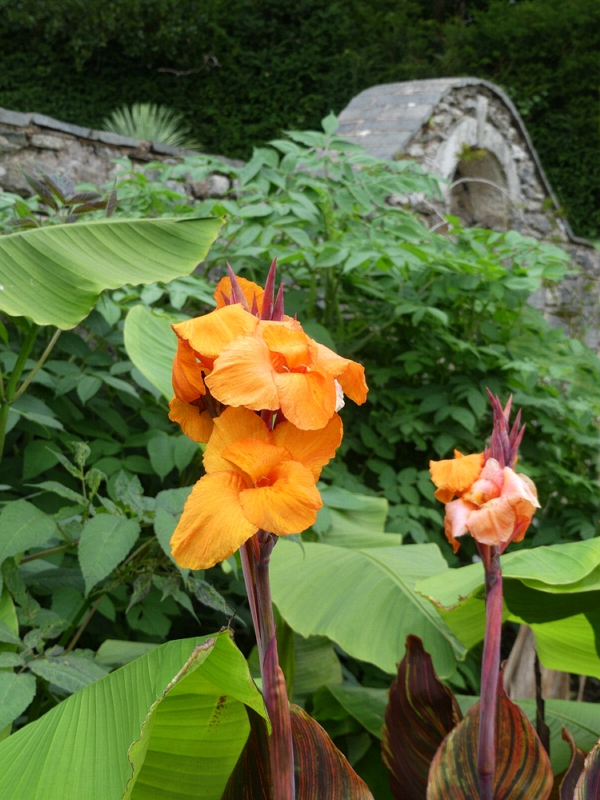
<point>588,785</point>
<point>523,770</point>
<point>569,782</point>
<point>419,714</point>
<point>322,772</point>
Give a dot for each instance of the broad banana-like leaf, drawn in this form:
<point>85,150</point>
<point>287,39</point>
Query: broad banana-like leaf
<point>523,770</point>
<point>555,590</point>
<point>151,345</point>
<point>169,724</point>
<point>326,590</point>
<point>420,713</point>
<point>54,275</point>
<point>321,770</point>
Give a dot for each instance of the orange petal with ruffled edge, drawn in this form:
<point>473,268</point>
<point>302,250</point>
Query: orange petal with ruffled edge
<point>456,474</point>
<point>208,335</point>
<point>255,458</point>
<point>289,340</point>
<point>243,374</point>
<point>213,525</point>
<point>314,449</point>
<point>349,374</point>
<point>232,425</point>
<point>250,291</point>
<point>455,521</point>
<point>307,399</point>
<point>494,523</point>
<point>289,505</point>
<point>194,420</point>
<point>187,379</point>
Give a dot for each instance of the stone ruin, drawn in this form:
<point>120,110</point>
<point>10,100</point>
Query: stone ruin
<point>468,131</point>
<point>465,130</point>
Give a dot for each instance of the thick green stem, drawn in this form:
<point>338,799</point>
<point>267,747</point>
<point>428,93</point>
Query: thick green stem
<point>11,386</point>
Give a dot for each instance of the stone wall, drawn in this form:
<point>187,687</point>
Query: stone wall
<point>84,155</point>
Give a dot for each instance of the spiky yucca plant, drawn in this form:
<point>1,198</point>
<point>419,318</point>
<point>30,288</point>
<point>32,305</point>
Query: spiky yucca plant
<point>153,123</point>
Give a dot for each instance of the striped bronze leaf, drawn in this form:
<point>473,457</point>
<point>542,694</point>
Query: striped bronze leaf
<point>419,714</point>
<point>523,769</point>
<point>251,778</point>
<point>321,771</point>
<point>588,785</point>
<point>567,786</point>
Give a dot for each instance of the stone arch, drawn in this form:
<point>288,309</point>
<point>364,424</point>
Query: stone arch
<point>474,202</point>
<point>478,193</point>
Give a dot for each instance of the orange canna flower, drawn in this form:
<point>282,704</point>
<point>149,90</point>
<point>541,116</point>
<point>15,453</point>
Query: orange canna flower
<point>256,479</point>
<point>279,367</point>
<point>496,507</point>
<point>454,476</point>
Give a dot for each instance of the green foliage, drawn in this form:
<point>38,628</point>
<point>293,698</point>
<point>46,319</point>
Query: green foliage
<point>238,70</point>
<point>96,476</point>
<point>152,123</point>
<point>207,679</point>
<point>434,318</point>
<point>554,589</point>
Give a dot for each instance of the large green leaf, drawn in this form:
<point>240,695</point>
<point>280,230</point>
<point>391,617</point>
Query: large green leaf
<point>325,590</point>
<point>55,275</point>
<point>151,345</point>
<point>170,724</point>
<point>554,589</point>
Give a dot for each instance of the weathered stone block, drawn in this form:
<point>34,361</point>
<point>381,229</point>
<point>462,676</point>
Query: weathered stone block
<point>46,142</point>
<point>58,125</point>
<point>14,118</point>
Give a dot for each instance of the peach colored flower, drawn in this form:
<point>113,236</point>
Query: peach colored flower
<point>496,508</point>
<point>256,479</point>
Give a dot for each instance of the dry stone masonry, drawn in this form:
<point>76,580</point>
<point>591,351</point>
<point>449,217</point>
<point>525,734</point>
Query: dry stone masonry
<point>465,130</point>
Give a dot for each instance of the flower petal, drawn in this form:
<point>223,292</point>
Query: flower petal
<point>520,492</point>
<point>255,458</point>
<point>455,521</point>
<point>194,420</point>
<point>306,399</point>
<point>213,525</point>
<point>494,523</point>
<point>289,505</point>
<point>232,425</point>
<point>456,474</point>
<point>287,339</point>
<point>250,290</point>
<point>350,375</point>
<point>314,449</point>
<point>243,374</point>
<point>187,378</point>
<point>208,335</point>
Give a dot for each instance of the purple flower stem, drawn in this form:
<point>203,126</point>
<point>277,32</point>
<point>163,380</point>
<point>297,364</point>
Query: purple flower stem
<point>490,671</point>
<point>256,576</point>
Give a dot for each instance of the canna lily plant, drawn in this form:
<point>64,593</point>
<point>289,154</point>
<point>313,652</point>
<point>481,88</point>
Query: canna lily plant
<point>493,753</point>
<point>263,396</point>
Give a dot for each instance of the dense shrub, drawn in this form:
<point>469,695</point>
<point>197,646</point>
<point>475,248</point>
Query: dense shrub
<point>241,70</point>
